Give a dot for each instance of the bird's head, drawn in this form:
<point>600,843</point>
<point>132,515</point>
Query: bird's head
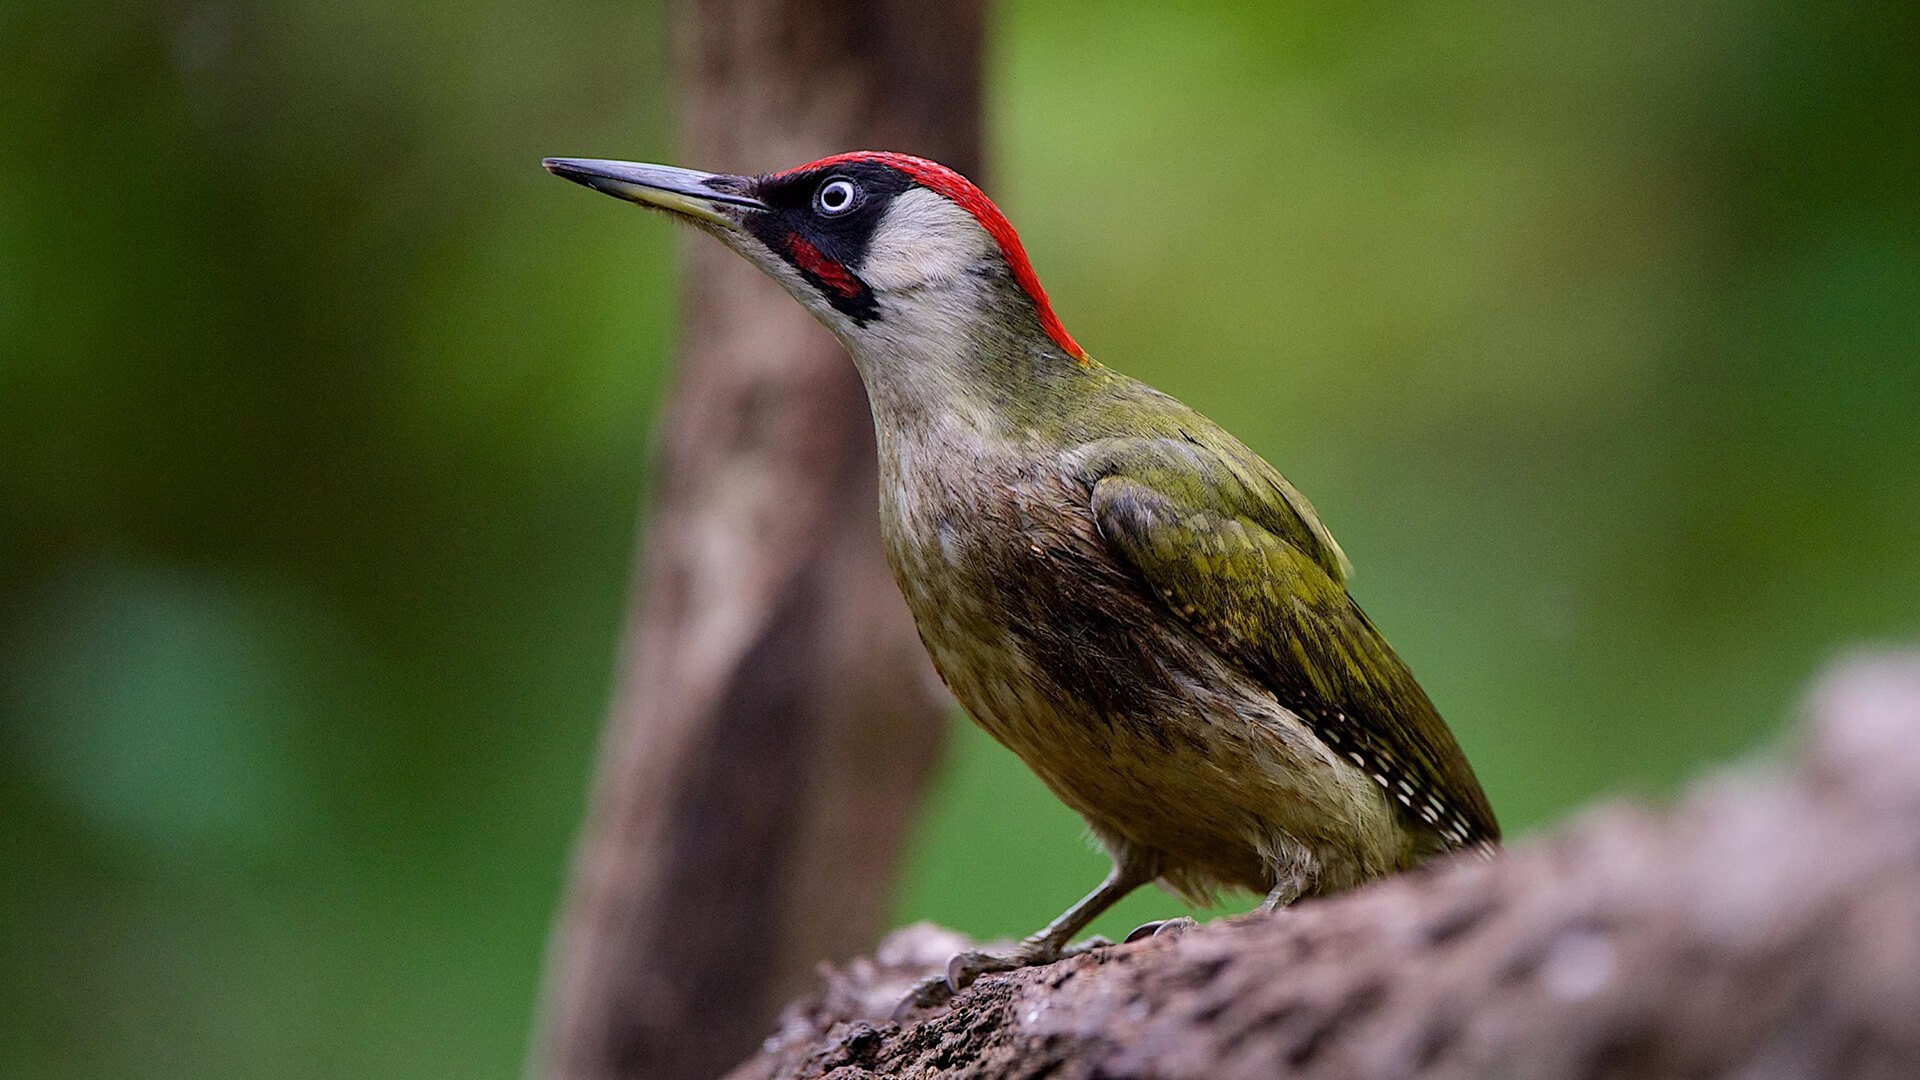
<point>887,250</point>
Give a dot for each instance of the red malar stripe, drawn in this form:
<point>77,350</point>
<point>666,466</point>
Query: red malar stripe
<point>833,275</point>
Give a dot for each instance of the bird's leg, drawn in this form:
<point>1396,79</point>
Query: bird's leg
<point>1043,947</point>
<point>1283,894</point>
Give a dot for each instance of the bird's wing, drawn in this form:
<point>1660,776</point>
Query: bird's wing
<point>1198,542</point>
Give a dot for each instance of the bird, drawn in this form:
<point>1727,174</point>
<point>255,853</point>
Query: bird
<point>1124,595</point>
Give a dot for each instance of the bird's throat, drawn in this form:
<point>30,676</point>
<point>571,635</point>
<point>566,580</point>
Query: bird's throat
<point>941,360</point>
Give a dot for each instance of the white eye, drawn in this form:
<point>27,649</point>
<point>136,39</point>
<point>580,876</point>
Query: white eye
<point>836,196</point>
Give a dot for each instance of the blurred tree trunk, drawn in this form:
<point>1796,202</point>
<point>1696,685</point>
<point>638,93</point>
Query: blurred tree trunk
<point>777,719</point>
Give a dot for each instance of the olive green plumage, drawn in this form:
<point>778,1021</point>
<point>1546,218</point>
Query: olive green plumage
<point>1240,558</point>
<point>1116,589</point>
<point>1152,621</point>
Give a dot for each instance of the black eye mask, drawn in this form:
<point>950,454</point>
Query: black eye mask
<point>828,250</point>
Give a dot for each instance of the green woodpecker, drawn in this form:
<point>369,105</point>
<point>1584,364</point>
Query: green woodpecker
<point>1116,589</point>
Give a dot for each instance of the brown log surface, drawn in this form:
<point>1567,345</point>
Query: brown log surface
<point>738,829</point>
<point>1765,926</point>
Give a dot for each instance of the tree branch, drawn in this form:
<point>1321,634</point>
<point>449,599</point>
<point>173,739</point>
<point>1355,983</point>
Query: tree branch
<point>1768,925</point>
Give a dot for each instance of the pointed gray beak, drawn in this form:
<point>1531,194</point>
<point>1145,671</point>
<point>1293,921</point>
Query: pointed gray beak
<point>708,198</point>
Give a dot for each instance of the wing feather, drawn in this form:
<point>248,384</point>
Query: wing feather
<point>1265,589</point>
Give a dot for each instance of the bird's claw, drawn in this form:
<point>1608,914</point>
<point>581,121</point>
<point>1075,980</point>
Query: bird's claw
<point>968,966</point>
<point>928,993</point>
<point>965,967</point>
<point>1087,946</point>
<point>1159,927</point>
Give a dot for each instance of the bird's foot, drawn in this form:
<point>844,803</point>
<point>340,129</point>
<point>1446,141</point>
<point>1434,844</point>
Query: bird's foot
<point>965,967</point>
<point>1162,927</point>
<point>1093,942</point>
<point>929,993</point>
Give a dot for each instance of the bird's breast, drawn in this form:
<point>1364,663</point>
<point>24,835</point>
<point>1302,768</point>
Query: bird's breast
<point>1053,648</point>
<point>995,554</point>
<point>1039,633</point>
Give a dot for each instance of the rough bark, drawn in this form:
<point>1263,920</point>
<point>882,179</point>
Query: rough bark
<point>1767,926</point>
<point>738,831</point>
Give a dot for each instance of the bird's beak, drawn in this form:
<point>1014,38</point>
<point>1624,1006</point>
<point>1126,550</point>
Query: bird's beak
<point>707,198</point>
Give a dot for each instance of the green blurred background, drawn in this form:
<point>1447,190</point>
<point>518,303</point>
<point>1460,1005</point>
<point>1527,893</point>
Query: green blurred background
<point>1594,332</point>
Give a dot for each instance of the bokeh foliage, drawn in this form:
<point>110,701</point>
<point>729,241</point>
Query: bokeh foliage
<point>1593,330</point>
